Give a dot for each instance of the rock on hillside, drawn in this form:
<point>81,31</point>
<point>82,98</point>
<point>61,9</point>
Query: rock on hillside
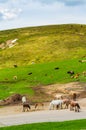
<point>8,44</point>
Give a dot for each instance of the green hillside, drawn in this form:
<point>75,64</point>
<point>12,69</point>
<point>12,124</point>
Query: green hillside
<point>34,76</point>
<point>43,44</point>
<point>43,56</point>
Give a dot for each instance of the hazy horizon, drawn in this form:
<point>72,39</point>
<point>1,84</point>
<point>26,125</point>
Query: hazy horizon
<point>42,25</point>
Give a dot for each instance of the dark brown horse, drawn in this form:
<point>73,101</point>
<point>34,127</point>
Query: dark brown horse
<point>74,106</point>
<point>26,106</point>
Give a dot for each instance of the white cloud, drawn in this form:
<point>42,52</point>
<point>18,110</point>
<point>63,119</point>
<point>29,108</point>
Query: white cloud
<point>7,14</point>
<point>41,12</point>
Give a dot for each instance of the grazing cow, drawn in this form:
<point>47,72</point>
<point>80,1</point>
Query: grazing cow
<point>56,68</point>
<point>84,73</point>
<point>15,66</point>
<point>70,72</point>
<point>76,76</point>
<point>82,61</point>
<point>30,73</point>
<point>15,77</point>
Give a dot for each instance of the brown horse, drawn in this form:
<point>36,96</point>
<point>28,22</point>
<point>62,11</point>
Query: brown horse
<point>74,106</point>
<point>66,102</point>
<point>26,106</point>
<point>37,105</point>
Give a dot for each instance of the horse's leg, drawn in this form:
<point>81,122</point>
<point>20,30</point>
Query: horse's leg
<point>61,106</point>
<point>67,105</point>
<point>57,106</point>
<point>42,106</point>
<point>78,107</point>
<point>50,106</point>
<point>75,109</point>
<point>27,109</point>
<point>78,110</point>
<point>23,109</point>
<point>36,105</point>
<point>70,108</point>
<point>53,106</point>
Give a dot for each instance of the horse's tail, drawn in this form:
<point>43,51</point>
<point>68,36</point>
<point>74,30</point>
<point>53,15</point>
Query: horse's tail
<point>78,105</point>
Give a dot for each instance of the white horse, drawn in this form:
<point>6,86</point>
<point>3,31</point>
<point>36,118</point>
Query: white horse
<point>55,103</point>
<point>23,99</point>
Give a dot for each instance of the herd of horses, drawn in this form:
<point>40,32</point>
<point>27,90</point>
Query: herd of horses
<point>74,105</point>
<point>56,104</point>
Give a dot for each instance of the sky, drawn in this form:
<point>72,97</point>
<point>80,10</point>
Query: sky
<point>25,13</point>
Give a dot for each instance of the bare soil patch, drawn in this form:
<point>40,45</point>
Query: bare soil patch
<point>45,94</point>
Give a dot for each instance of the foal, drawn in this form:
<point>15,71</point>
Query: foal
<point>39,104</point>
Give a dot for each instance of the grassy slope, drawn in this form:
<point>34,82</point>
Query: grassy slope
<point>58,46</point>
<point>67,125</point>
<point>43,44</point>
<point>42,74</point>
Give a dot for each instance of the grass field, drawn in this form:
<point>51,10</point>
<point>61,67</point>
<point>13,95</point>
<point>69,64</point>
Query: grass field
<point>42,74</point>
<point>67,125</point>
